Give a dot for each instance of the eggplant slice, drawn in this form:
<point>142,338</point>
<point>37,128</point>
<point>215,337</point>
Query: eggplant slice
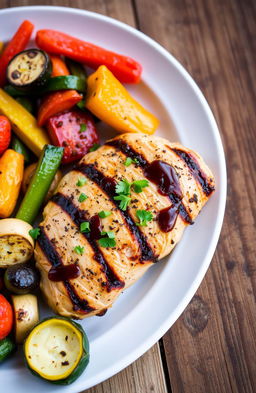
<point>29,70</point>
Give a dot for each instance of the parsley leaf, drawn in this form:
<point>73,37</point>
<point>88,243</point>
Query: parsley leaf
<point>109,234</point>
<point>123,187</point>
<point>104,214</point>
<point>107,242</point>
<point>34,233</point>
<point>144,216</point>
<point>83,128</point>
<point>138,185</point>
<point>124,201</point>
<point>94,147</point>
<point>130,161</point>
<point>81,182</point>
<point>79,250</point>
<point>85,227</point>
<point>82,197</point>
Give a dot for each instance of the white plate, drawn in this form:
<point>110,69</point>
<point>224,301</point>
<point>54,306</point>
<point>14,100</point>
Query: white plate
<point>148,309</point>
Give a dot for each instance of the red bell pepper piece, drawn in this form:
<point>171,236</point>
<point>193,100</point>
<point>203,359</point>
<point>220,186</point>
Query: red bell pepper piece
<point>5,134</point>
<point>126,69</point>
<point>57,102</point>
<point>17,44</point>
<point>75,131</point>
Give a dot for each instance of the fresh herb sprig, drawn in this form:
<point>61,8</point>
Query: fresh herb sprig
<point>144,216</point>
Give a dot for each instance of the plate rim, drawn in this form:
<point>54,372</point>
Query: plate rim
<point>83,383</point>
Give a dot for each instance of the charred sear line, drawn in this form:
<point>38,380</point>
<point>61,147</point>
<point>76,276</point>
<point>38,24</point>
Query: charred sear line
<point>78,216</point>
<point>144,164</point>
<point>103,182</point>
<point>195,170</point>
<point>55,260</point>
<point>128,151</point>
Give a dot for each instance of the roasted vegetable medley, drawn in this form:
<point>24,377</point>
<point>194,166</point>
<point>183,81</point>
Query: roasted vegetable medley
<point>52,96</point>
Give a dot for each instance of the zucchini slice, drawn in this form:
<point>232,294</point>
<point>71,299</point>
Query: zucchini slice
<point>57,350</point>
<point>29,70</point>
<point>16,245</point>
<point>26,315</point>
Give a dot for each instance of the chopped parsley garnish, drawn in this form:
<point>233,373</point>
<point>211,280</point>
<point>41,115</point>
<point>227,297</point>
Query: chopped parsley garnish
<point>81,182</point>
<point>124,201</point>
<point>123,187</point>
<point>85,227</point>
<point>79,250</point>
<point>109,234</point>
<point>144,216</point>
<point>104,214</point>
<point>94,147</point>
<point>82,197</point>
<point>34,233</point>
<point>130,161</point>
<point>138,185</point>
<point>107,242</point>
<point>83,128</point>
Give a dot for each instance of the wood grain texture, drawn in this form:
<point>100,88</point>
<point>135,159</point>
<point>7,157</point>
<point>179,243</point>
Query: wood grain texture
<point>212,346</point>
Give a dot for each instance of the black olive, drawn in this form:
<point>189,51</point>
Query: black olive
<point>21,278</point>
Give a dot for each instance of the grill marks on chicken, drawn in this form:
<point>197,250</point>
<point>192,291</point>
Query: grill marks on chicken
<point>78,216</point>
<point>54,258</point>
<point>145,165</point>
<point>105,272</point>
<point>102,181</point>
<point>206,183</point>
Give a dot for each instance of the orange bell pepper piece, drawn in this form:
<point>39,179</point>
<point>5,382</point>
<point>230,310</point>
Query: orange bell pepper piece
<point>57,102</point>
<point>59,67</point>
<point>108,99</point>
<point>11,174</point>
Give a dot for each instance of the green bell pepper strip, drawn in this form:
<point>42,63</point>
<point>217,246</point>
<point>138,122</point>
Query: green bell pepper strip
<point>7,347</point>
<point>26,102</point>
<point>40,183</point>
<point>19,147</point>
<point>64,82</point>
<point>76,69</point>
<point>13,92</point>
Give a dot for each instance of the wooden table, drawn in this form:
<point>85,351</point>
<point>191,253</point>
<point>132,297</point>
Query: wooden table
<point>212,347</point>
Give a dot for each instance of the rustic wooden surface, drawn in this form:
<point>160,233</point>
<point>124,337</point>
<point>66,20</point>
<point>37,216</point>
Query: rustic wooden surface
<point>212,347</point>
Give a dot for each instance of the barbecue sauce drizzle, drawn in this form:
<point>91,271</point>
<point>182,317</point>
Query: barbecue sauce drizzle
<point>108,184</point>
<point>166,179</point>
<point>54,258</point>
<point>78,216</point>
<point>64,272</point>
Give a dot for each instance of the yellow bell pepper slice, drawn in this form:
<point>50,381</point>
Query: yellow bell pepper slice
<point>23,123</point>
<point>1,47</point>
<point>108,99</point>
<point>11,174</point>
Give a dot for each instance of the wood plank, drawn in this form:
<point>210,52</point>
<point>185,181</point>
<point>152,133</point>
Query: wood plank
<point>212,346</point>
<point>146,374</point>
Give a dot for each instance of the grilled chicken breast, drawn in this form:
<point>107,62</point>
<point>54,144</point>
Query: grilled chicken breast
<point>80,276</point>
